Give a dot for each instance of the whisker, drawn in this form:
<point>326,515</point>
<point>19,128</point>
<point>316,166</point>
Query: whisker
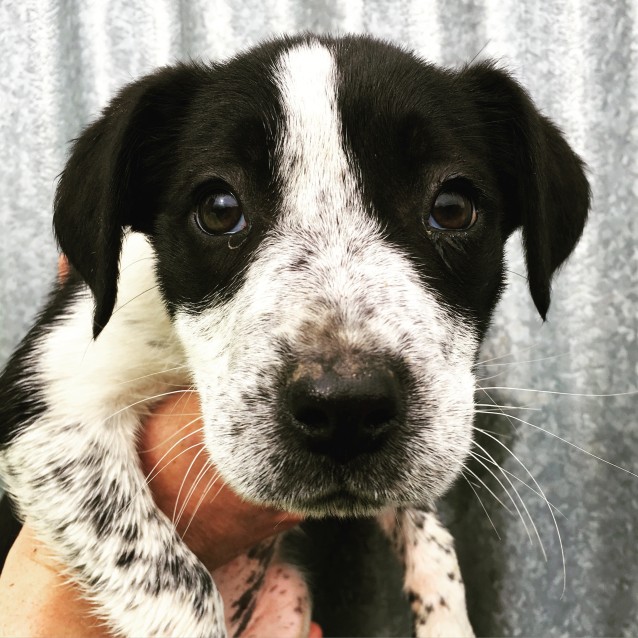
<point>282,521</point>
<point>145,484</point>
<point>151,474</point>
<point>212,500</point>
<point>520,514</point>
<point>489,518</point>
<point>487,123</point>
<point>181,487</point>
<point>531,489</point>
<point>192,489</point>
<point>577,447</point>
<point>513,363</point>
<point>136,261</point>
<point>487,43</point>
<point>211,482</point>
<point>540,542</point>
<point>566,394</point>
<point>144,400</point>
<point>518,274</point>
<point>492,461</point>
<point>153,374</point>
<point>478,478</point>
<point>492,376</point>
<point>137,296</point>
<point>509,354</point>
<point>507,407</point>
<point>540,489</point>
<point>176,432</point>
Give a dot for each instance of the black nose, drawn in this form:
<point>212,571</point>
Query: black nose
<point>343,415</point>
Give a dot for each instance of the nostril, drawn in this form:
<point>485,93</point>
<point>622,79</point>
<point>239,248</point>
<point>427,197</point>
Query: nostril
<point>312,417</point>
<point>380,417</point>
<point>344,415</point>
<point>311,408</point>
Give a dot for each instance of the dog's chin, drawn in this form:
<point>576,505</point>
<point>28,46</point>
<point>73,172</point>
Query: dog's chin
<point>340,503</point>
<point>327,489</point>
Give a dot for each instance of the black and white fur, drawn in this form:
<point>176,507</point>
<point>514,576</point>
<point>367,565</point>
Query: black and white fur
<point>336,149</point>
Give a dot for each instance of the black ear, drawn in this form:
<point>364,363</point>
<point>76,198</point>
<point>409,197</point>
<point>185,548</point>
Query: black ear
<point>111,180</point>
<point>542,179</point>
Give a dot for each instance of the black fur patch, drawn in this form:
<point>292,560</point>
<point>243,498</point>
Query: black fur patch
<point>21,401</point>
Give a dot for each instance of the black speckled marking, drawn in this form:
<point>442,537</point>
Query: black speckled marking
<point>126,558</point>
<point>262,552</point>
<point>245,605</point>
<point>413,597</point>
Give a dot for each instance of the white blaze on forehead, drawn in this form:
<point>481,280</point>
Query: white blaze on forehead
<point>313,163</point>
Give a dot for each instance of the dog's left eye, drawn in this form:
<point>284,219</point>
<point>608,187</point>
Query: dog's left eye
<point>452,211</point>
<point>220,213</point>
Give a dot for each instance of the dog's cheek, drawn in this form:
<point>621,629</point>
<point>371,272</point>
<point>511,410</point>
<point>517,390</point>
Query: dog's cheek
<point>442,421</point>
<point>216,341</point>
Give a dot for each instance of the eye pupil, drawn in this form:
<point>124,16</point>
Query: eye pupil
<point>452,211</point>
<point>220,214</point>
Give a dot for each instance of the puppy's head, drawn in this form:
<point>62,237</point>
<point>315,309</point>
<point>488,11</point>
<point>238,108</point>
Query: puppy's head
<point>329,218</point>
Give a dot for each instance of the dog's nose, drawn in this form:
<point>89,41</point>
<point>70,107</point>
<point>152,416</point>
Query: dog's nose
<point>344,415</point>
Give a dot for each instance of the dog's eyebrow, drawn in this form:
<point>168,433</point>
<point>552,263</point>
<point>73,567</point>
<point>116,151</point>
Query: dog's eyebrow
<point>254,138</point>
<point>423,140</point>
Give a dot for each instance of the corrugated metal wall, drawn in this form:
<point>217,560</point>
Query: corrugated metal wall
<point>60,62</point>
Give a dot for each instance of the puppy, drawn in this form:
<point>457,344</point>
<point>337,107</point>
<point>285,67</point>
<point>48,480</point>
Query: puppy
<point>312,235</point>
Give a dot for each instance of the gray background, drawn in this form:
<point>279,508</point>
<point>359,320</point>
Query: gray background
<point>61,61</point>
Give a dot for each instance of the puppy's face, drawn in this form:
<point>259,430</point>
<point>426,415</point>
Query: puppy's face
<point>340,252</point>
<point>329,218</point>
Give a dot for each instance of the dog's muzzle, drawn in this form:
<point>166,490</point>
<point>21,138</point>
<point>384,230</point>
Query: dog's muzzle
<point>343,408</point>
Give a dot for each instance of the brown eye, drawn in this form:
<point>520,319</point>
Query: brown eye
<point>220,214</point>
<point>452,211</point>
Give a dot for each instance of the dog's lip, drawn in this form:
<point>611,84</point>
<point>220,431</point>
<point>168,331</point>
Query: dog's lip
<point>344,497</point>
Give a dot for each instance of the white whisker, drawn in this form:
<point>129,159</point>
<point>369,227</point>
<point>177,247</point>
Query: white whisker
<point>489,518</point>
<point>211,483</point>
<point>492,376</point>
<point>191,491</point>
<point>560,438</point>
<point>152,374</point>
<point>478,478</point>
<point>538,536</point>
<point>493,461</point>
<point>520,514</point>
<point>542,493</point>
<point>566,394</point>
<point>175,433</point>
<point>152,474</point>
<point>514,363</point>
<point>161,395</point>
<point>506,407</point>
<point>509,354</point>
<point>181,487</point>
<point>529,487</point>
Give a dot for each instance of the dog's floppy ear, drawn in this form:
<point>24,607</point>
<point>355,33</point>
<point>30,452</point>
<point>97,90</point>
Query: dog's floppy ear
<point>543,180</point>
<point>111,180</point>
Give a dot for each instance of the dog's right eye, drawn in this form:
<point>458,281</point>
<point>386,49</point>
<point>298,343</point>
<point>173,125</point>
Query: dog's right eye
<point>220,213</point>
